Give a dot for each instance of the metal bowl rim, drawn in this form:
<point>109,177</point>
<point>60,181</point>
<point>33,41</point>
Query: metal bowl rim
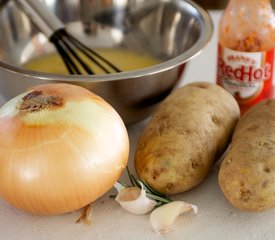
<point>194,50</point>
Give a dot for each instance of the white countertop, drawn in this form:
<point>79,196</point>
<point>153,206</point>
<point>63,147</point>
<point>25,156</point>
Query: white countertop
<point>216,219</point>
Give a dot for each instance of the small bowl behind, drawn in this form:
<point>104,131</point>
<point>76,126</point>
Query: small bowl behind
<point>171,31</point>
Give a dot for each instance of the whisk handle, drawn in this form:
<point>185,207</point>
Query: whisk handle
<point>41,16</point>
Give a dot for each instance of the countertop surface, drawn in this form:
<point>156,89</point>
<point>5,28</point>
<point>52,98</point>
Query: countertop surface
<point>216,219</point>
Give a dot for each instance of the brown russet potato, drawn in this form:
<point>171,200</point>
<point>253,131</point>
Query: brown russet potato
<point>247,173</point>
<point>190,129</point>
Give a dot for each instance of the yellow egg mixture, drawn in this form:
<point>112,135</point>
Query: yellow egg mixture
<point>125,60</point>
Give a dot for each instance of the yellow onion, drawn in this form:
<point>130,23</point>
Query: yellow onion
<point>61,147</point>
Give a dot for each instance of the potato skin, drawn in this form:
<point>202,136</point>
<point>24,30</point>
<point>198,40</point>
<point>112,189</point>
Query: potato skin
<point>190,128</point>
<point>247,173</point>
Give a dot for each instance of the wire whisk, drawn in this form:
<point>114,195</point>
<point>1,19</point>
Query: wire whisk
<point>66,45</point>
<point>77,57</point>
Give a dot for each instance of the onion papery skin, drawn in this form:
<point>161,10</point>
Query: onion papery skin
<point>63,156</point>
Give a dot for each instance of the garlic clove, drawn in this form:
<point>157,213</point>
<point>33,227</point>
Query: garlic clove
<point>118,186</point>
<point>134,200</point>
<point>162,218</point>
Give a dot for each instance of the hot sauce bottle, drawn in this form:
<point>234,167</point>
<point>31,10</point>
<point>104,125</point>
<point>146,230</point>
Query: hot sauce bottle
<point>246,51</point>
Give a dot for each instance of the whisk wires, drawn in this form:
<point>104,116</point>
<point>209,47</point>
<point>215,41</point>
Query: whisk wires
<point>73,53</point>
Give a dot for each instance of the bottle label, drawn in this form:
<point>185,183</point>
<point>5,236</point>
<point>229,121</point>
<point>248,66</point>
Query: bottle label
<point>247,76</point>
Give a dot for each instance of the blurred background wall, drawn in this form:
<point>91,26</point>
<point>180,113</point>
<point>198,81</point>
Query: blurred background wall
<point>218,4</point>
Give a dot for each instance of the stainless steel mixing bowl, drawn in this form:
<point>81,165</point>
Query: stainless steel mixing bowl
<point>172,31</point>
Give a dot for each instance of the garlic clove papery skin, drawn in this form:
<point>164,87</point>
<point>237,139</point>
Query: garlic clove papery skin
<point>162,218</point>
<point>135,201</point>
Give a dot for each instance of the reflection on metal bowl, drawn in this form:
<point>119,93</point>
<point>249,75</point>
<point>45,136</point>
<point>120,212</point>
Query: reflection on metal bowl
<point>171,31</point>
